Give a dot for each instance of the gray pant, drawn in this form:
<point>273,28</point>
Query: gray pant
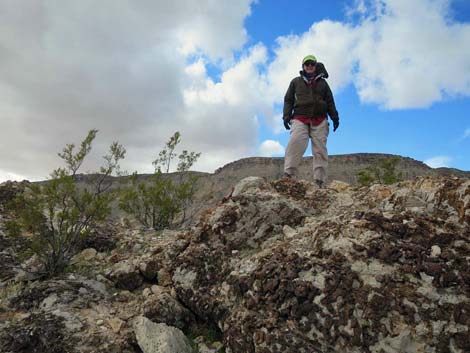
<point>298,142</point>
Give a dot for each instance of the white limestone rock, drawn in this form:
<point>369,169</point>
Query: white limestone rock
<point>160,338</point>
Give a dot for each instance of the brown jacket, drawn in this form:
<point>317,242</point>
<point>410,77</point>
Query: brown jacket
<point>311,101</point>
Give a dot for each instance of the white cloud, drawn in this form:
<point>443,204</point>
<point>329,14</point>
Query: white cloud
<point>438,161</point>
<point>239,85</point>
<point>401,54</point>
<point>319,42</point>
<point>223,114</point>
<point>359,7</point>
<point>5,175</point>
<point>271,148</point>
<point>197,70</point>
<point>206,25</point>
<point>411,56</point>
<point>120,67</point>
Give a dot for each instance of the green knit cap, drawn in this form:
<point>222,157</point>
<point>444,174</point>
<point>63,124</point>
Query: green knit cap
<point>309,58</point>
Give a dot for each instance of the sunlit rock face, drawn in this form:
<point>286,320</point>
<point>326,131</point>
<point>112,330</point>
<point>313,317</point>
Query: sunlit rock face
<point>285,267</point>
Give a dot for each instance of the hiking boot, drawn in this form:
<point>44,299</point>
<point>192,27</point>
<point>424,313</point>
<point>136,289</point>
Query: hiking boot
<point>287,176</point>
<point>320,183</point>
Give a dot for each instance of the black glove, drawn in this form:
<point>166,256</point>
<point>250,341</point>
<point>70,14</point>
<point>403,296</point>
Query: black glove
<point>335,124</point>
<point>287,120</point>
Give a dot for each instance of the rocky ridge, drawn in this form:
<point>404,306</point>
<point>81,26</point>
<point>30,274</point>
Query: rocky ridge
<point>212,187</point>
<point>276,266</point>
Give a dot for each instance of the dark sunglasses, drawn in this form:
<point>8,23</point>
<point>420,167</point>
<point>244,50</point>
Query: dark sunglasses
<point>309,63</point>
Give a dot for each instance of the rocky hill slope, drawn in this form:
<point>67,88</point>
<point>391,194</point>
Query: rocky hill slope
<point>276,266</point>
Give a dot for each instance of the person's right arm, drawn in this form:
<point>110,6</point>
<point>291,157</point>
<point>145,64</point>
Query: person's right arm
<point>289,100</point>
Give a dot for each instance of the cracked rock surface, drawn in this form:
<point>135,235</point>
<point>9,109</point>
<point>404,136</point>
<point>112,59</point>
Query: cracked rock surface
<point>276,267</point>
<point>285,267</point>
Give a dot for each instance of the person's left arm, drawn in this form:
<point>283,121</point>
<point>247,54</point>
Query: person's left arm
<point>331,107</point>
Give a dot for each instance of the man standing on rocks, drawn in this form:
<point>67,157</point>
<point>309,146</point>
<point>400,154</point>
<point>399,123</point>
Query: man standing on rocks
<point>307,103</point>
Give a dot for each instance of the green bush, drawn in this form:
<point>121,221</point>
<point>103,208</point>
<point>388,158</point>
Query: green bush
<point>158,202</point>
<point>58,213</point>
<point>383,173</point>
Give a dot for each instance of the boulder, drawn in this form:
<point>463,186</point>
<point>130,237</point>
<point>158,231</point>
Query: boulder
<point>116,324</point>
<point>149,269</point>
<point>164,277</point>
<point>160,338</point>
<point>85,256</point>
<point>208,347</point>
<point>125,275</point>
<point>162,307</point>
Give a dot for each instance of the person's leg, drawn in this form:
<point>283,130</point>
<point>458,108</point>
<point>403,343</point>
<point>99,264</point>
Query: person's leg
<point>319,136</point>
<point>296,147</point>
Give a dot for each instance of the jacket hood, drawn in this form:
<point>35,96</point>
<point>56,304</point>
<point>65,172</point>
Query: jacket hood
<point>320,72</point>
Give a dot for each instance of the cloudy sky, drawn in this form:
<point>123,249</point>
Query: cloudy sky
<point>217,72</point>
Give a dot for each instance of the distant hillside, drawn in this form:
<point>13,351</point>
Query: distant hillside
<point>341,167</point>
<point>212,187</point>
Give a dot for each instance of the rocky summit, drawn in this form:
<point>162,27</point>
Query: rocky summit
<point>276,266</point>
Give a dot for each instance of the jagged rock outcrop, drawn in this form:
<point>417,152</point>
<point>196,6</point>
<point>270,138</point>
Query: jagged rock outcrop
<point>285,267</point>
<point>276,266</point>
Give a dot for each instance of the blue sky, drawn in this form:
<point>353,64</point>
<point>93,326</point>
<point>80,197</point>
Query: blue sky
<point>437,133</point>
<point>217,72</point>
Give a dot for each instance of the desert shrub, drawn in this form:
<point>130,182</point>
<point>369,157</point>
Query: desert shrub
<point>160,201</point>
<point>384,172</point>
<point>58,214</point>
